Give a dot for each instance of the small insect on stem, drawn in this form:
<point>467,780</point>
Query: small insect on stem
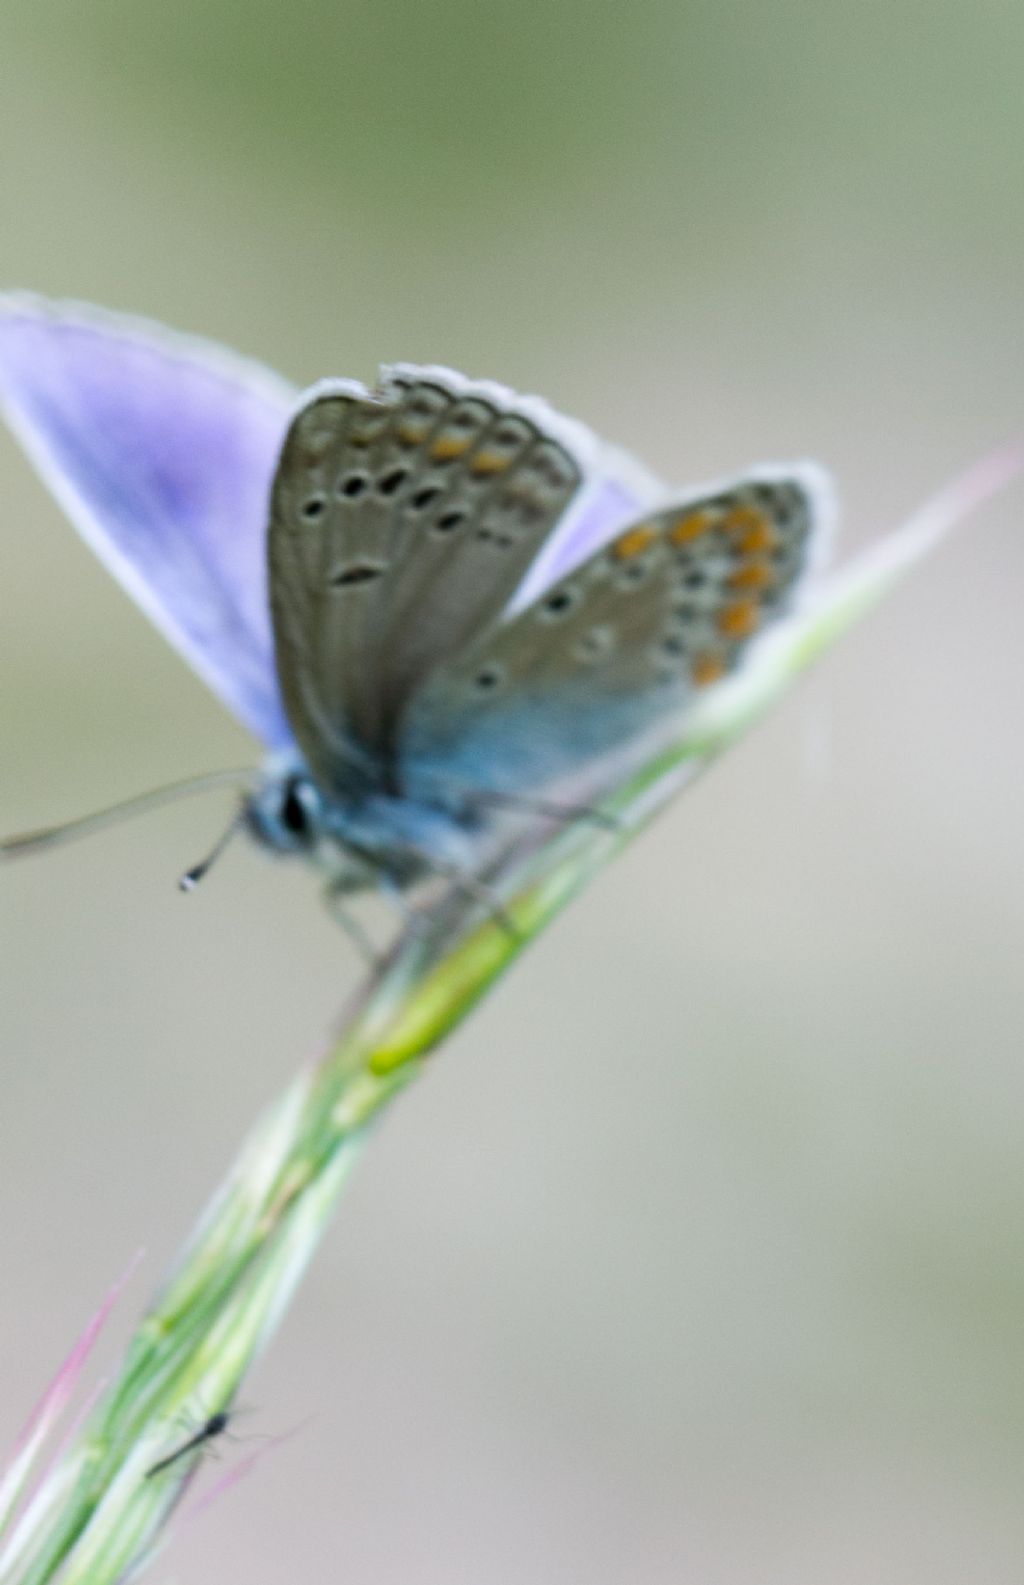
<point>215,1426</point>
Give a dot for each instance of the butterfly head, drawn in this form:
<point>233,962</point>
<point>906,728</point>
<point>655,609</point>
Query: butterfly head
<point>288,815</point>
<point>353,838</point>
<point>286,811</point>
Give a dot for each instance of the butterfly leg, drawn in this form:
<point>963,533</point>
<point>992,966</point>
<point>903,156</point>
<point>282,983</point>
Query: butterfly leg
<point>412,919</point>
<point>477,797</point>
<point>462,882</point>
<point>478,891</point>
<point>562,814</point>
<point>333,897</point>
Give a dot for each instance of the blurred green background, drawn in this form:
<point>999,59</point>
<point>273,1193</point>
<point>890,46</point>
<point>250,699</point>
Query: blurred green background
<point>698,1256</point>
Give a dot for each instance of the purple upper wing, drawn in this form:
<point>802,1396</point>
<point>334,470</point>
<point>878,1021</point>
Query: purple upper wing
<point>161,448</point>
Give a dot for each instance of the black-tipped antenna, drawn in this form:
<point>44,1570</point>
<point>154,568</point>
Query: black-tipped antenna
<point>30,842</point>
<point>191,878</point>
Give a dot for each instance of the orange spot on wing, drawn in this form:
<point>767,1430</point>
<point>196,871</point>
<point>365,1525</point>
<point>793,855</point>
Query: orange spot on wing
<point>633,541</point>
<point>688,528</point>
<point>447,447</point>
<point>750,529</point>
<point>707,668</point>
<point>754,540</point>
<point>489,462</point>
<point>751,575</point>
<point>741,516</point>
<point>738,620</point>
<point>411,434</point>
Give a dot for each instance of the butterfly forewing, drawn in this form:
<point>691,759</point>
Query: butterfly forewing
<point>401,524</point>
<point>666,608</point>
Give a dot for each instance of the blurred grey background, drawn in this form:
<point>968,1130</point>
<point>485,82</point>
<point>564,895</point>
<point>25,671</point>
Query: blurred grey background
<point>698,1255</point>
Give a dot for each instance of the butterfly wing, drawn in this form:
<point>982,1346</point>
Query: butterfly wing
<point>620,643</point>
<point>161,449</point>
<point>402,523</point>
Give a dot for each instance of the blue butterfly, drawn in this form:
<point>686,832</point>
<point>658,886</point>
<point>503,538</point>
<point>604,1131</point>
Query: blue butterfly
<point>440,606</point>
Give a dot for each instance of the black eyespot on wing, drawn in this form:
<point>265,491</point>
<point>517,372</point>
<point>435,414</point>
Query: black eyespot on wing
<point>359,572</point>
<point>488,678</point>
<point>353,485</point>
<point>448,522</point>
<point>312,508</point>
<point>559,603</point>
<point>392,482</point>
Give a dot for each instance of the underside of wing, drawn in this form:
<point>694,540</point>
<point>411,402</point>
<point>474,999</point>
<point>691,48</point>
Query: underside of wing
<point>621,644</point>
<point>402,523</point>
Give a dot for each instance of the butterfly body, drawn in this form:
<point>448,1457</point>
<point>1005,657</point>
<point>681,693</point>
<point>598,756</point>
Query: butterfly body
<point>356,841</point>
<point>440,605</point>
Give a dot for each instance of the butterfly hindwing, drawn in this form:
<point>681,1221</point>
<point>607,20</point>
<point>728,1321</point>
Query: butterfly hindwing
<point>401,524</point>
<point>663,610</point>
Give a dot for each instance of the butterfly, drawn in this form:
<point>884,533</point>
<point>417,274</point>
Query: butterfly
<point>440,606</point>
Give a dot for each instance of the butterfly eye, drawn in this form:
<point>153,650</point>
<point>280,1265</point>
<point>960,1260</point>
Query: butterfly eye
<point>294,816</point>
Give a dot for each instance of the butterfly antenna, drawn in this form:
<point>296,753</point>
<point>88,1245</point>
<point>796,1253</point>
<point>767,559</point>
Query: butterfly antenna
<point>29,842</point>
<point>191,878</point>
